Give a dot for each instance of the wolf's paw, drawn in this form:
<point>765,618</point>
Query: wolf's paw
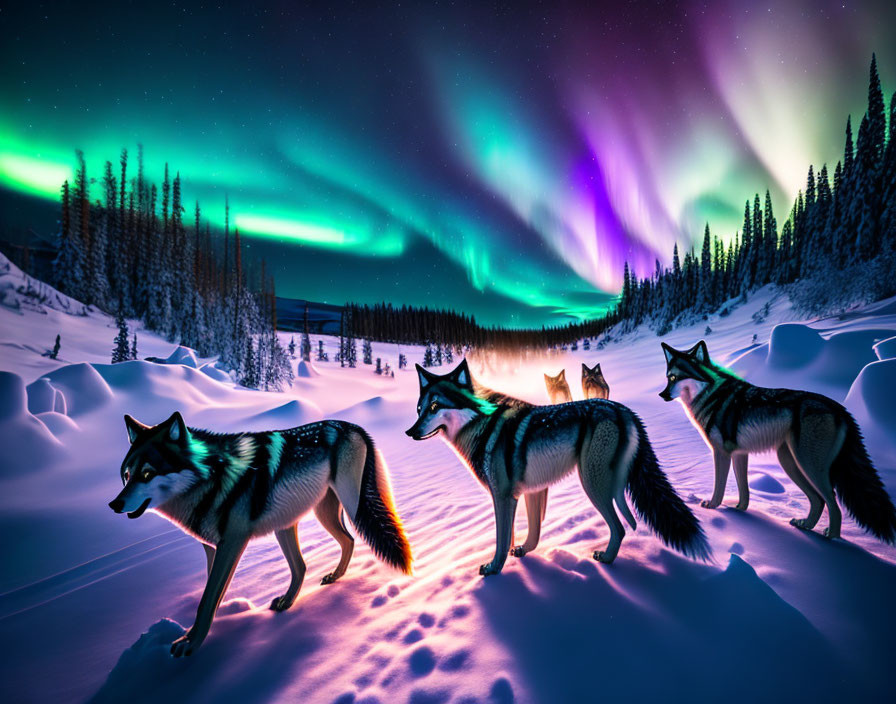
<point>329,578</point>
<point>602,556</point>
<point>517,551</point>
<point>741,506</point>
<point>488,570</point>
<point>184,646</point>
<point>282,603</point>
<point>801,523</point>
<point>709,503</point>
<point>828,533</point>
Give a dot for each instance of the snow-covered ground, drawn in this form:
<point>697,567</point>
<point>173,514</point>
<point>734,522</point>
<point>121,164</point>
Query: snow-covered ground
<point>89,601</point>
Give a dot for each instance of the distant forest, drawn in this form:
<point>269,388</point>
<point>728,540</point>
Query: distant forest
<point>836,247</point>
<point>123,256</point>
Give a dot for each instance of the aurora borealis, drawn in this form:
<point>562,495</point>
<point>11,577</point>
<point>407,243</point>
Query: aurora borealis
<point>501,160</point>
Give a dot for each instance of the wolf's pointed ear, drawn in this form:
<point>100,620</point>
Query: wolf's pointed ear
<point>668,351</point>
<point>585,368</point>
<point>424,377</point>
<point>700,352</point>
<point>461,374</point>
<point>134,426</point>
<point>177,429</point>
<point>597,369</point>
<point>562,374</point>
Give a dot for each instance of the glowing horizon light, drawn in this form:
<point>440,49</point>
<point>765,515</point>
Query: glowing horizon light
<point>293,229</point>
<point>34,176</point>
<point>337,236</point>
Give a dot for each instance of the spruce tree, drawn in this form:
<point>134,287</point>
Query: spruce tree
<point>704,300</point>
<point>250,366</point>
<point>306,337</point>
<point>122,350</point>
<point>745,269</point>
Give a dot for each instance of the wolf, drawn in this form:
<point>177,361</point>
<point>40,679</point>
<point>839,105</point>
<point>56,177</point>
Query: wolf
<point>225,490</point>
<point>593,383</point>
<point>818,443</point>
<point>514,448</point>
<point>558,388</point>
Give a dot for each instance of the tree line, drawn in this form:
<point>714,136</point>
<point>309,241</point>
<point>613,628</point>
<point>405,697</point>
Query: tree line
<point>130,253</point>
<point>837,244</point>
<point>383,322</point>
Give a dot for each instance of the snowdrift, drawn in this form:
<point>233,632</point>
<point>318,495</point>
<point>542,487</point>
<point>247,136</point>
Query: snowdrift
<point>797,356</point>
<point>28,445</point>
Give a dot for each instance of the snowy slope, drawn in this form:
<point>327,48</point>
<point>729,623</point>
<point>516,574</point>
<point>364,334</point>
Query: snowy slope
<point>781,614</point>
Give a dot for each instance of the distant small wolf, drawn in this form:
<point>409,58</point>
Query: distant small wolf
<point>227,489</point>
<point>514,448</point>
<point>818,442</point>
<point>593,383</point>
<point>558,388</point>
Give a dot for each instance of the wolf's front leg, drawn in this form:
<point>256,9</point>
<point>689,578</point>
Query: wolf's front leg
<point>740,474</point>
<point>722,462</point>
<point>505,509</point>
<point>227,556</point>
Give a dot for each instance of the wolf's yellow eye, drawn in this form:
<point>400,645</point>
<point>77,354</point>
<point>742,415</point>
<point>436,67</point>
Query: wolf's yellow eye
<point>433,406</point>
<point>146,475</point>
<point>672,377</point>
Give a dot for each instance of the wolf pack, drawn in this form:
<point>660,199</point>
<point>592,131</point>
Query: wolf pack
<point>226,489</point>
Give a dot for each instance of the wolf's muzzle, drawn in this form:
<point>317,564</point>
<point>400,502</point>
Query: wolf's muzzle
<point>117,505</point>
<point>665,395</point>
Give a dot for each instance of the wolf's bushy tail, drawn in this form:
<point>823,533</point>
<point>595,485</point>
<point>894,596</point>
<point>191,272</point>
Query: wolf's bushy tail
<point>376,518</point>
<point>859,487</point>
<point>659,506</point>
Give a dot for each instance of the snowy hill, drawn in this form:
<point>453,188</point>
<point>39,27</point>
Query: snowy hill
<point>90,601</point>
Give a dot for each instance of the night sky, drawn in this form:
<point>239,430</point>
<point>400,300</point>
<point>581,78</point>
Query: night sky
<point>500,161</point>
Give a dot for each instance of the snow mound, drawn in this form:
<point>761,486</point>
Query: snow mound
<point>799,357</point>
<point>872,400</point>
<point>213,372</point>
<point>371,412</point>
<point>84,389</point>
<point>183,355</point>
<point>57,423</point>
<point>139,668</point>
<point>174,381</point>
<point>43,397</point>
<point>235,606</point>
<point>886,349</point>
<point>28,445</point>
<point>305,370</point>
<point>767,483</point>
<point>13,399</point>
<point>289,415</point>
<point>792,345</point>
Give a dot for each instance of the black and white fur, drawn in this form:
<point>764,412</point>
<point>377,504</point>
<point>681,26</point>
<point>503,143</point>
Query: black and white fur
<point>818,443</point>
<point>227,489</point>
<point>514,448</point>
